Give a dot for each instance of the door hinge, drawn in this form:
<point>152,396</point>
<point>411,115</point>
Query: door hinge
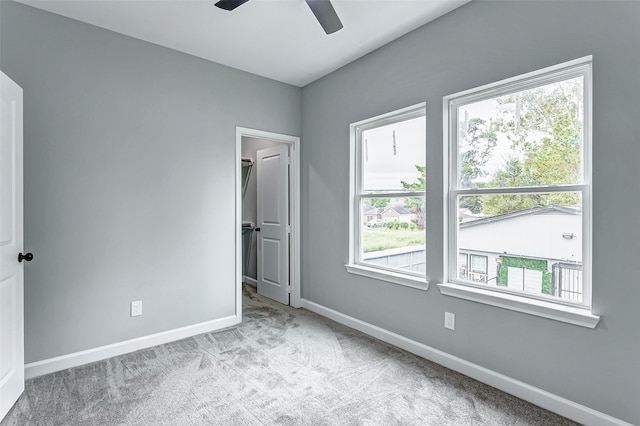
<point>288,229</point>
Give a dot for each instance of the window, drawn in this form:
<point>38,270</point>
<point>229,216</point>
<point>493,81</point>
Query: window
<point>388,163</point>
<point>479,269</point>
<point>519,189</point>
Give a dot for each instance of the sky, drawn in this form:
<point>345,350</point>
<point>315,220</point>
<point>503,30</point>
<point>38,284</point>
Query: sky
<point>384,168</point>
<point>490,108</point>
<point>386,165</point>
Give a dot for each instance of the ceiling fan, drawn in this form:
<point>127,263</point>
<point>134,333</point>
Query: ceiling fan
<point>322,9</point>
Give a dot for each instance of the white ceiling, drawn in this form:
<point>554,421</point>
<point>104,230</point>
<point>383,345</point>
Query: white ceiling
<point>278,39</point>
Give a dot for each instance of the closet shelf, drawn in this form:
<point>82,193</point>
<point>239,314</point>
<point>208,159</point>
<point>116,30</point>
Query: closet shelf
<point>248,163</point>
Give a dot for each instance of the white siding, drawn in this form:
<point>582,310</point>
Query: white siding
<point>539,236</point>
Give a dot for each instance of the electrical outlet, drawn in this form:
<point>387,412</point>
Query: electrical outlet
<point>136,308</point>
<point>449,321</point>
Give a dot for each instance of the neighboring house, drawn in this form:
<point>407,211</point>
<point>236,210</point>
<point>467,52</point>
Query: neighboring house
<point>372,213</point>
<point>397,214</point>
<point>391,213</point>
<point>466,215</point>
<point>537,250</point>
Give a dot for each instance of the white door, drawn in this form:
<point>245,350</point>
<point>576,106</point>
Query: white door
<point>272,170</point>
<point>11,272</point>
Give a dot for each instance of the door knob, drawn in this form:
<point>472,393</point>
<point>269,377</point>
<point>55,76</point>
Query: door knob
<point>257,229</point>
<point>26,257</point>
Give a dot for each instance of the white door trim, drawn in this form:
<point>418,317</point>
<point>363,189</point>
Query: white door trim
<point>294,200</point>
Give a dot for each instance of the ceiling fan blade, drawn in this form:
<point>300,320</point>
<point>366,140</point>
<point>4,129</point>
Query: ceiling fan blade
<point>326,15</point>
<point>230,4</point>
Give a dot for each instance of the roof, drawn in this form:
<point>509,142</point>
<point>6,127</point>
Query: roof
<point>399,209</point>
<point>552,208</point>
<point>372,210</point>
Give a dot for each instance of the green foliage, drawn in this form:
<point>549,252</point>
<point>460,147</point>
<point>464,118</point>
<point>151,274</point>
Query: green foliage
<point>544,126</point>
<point>477,141</point>
<point>420,184</point>
<point>376,239</point>
<point>377,202</point>
<point>513,174</point>
<point>523,262</point>
<point>400,225</point>
<point>547,283</point>
<point>417,204</point>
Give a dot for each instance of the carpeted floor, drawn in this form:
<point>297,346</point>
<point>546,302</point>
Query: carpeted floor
<point>282,366</point>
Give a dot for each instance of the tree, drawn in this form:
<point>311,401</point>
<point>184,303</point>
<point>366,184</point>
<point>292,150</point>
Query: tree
<point>477,141</point>
<point>476,144</point>
<point>377,202</point>
<point>417,204</point>
<point>420,185</point>
<point>513,174</point>
<point>544,126</point>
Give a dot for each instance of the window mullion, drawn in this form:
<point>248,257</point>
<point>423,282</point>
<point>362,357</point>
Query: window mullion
<point>393,194</point>
<point>520,190</point>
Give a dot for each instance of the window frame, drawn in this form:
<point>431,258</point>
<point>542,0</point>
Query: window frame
<point>472,271</point>
<point>571,312</point>
<point>356,264</point>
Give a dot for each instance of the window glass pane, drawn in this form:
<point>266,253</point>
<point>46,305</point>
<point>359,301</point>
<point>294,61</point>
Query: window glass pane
<point>532,137</point>
<point>393,156</point>
<point>395,237</point>
<point>479,263</point>
<point>529,243</point>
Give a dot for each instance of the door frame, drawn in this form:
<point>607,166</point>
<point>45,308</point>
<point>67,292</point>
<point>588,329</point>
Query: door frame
<point>294,201</point>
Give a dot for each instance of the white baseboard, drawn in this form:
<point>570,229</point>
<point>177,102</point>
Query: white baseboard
<point>251,281</point>
<point>76,359</point>
<point>539,397</point>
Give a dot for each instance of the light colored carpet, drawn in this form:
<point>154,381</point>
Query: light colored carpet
<point>282,366</point>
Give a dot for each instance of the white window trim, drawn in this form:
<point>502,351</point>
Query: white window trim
<point>556,310</point>
<point>354,266</point>
<point>540,308</point>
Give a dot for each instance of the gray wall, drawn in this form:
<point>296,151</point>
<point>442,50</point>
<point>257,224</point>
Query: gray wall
<point>250,146</point>
<point>129,190</point>
<point>129,165</point>
<point>477,44</point>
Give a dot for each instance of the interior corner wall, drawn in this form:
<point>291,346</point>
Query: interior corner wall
<point>249,149</point>
<point>129,179</point>
<point>477,44</point>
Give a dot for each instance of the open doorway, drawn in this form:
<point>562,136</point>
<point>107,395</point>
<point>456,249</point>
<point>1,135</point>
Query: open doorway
<point>268,214</point>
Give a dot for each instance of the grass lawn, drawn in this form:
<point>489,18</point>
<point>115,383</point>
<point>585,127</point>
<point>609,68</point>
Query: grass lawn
<point>376,239</point>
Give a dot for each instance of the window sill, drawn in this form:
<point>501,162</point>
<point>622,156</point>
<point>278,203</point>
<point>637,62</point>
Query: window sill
<point>388,276</point>
<point>541,308</point>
